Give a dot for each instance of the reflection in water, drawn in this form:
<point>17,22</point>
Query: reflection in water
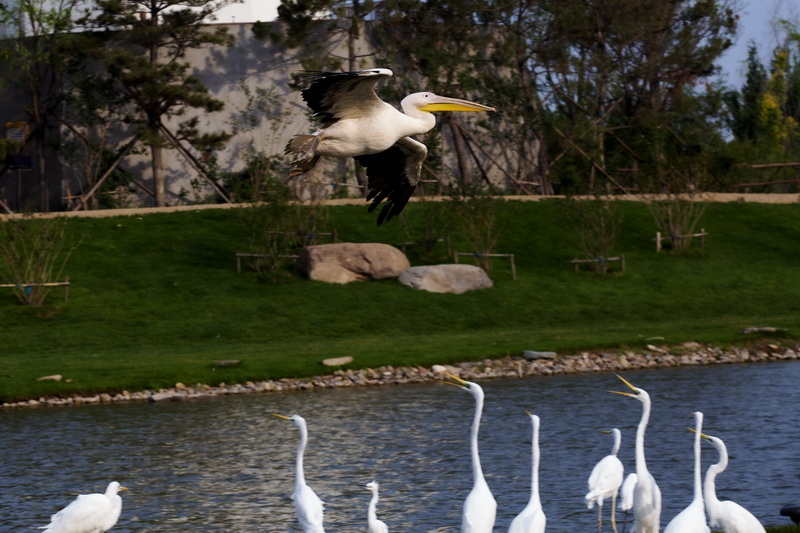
<point>227,465</point>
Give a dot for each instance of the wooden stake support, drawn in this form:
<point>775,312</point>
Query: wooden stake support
<point>477,255</point>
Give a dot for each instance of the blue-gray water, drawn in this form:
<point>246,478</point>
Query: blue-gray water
<point>227,465</point>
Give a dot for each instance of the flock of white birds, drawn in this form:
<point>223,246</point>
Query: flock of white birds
<point>638,491</point>
<point>97,513</point>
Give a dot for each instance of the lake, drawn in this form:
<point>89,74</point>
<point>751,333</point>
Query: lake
<point>227,465</point>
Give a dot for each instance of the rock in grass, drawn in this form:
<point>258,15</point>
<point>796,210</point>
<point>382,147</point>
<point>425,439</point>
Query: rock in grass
<point>454,278</point>
<point>763,329</point>
<point>532,355</point>
<point>227,362</point>
<point>338,361</point>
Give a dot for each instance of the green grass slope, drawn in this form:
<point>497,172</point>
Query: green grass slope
<point>156,299</point>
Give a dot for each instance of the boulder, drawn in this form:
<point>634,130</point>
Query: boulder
<point>453,278</point>
<point>346,262</point>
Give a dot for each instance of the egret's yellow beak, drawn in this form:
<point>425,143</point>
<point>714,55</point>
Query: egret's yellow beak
<point>459,382</point>
<point>701,434</point>
<point>626,382</point>
<point>282,417</point>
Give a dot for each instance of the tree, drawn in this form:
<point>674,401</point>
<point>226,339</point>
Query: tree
<point>440,47</point>
<point>619,72</point>
<point>147,42</point>
<point>39,59</point>
<point>316,28</point>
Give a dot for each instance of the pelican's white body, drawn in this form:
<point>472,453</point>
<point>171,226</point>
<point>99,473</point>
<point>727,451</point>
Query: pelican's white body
<point>362,133</point>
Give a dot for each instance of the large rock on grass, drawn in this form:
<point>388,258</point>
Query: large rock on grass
<point>346,262</point>
<point>453,278</point>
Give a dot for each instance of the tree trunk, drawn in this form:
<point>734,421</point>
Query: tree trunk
<point>461,152</point>
<point>159,186</point>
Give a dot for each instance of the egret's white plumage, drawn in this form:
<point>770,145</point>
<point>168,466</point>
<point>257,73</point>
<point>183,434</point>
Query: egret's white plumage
<point>373,524</point>
<point>89,513</point>
<point>480,507</point>
<point>309,508</point>
<point>355,122</point>
<point>532,518</point>
<point>693,518</point>
<point>646,494</point>
<point>605,481</point>
<point>626,492</point>
<point>727,515</point>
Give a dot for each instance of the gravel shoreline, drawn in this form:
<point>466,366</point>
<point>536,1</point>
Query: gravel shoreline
<point>687,354</point>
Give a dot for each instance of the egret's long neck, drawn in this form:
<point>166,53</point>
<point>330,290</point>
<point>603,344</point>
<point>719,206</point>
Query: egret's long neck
<point>641,465</point>
<point>709,487</point>
<point>300,479</point>
<point>617,442</point>
<point>535,467</point>
<point>477,472</point>
<point>373,503</point>
<point>698,485</point>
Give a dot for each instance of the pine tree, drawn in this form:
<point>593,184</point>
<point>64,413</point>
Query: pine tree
<point>147,44</point>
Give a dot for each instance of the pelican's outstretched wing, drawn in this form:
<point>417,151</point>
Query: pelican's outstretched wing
<point>335,95</point>
<point>392,175</point>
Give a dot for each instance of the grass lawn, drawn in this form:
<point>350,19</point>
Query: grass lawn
<point>156,299</point>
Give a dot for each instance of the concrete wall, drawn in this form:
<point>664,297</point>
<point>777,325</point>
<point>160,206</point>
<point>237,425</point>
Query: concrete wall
<point>225,70</point>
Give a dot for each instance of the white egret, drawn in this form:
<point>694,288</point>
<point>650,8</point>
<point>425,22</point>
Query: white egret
<point>605,481</point>
<point>532,519</point>
<point>309,508</point>
<point>626,492</point>
<point>89,513</point>
<point>480,507</point>
<point>354,122</point>
<point>373,524</point>
<point>646,494</point>
<point>728,515</point>
<point>693,518</point>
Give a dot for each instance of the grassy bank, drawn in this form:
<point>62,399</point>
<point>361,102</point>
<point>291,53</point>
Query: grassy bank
<point>156,299</point>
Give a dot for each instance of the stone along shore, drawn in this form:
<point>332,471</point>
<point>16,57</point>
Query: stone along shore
<point>535,364</point>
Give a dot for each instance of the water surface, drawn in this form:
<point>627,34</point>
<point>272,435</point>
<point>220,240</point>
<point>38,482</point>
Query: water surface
<point>227,465</point>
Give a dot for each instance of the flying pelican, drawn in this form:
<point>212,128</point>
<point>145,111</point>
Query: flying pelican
<point>373,524</point>
<point>646,494</point>
<point>532,519</point>
<point>89,513</point>
<point>355,123</point>
<point>308,507</point>
<point>480,507</point>
<point>728,515</point>
<point>693,518</point>
<point>605,481</point>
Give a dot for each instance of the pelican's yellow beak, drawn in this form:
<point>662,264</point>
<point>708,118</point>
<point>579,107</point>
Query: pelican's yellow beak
<point>626,382</point>
<point>282,417</point>
<point>443,103</point>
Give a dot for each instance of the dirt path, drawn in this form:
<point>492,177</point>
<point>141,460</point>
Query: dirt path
<point>133,211</point>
